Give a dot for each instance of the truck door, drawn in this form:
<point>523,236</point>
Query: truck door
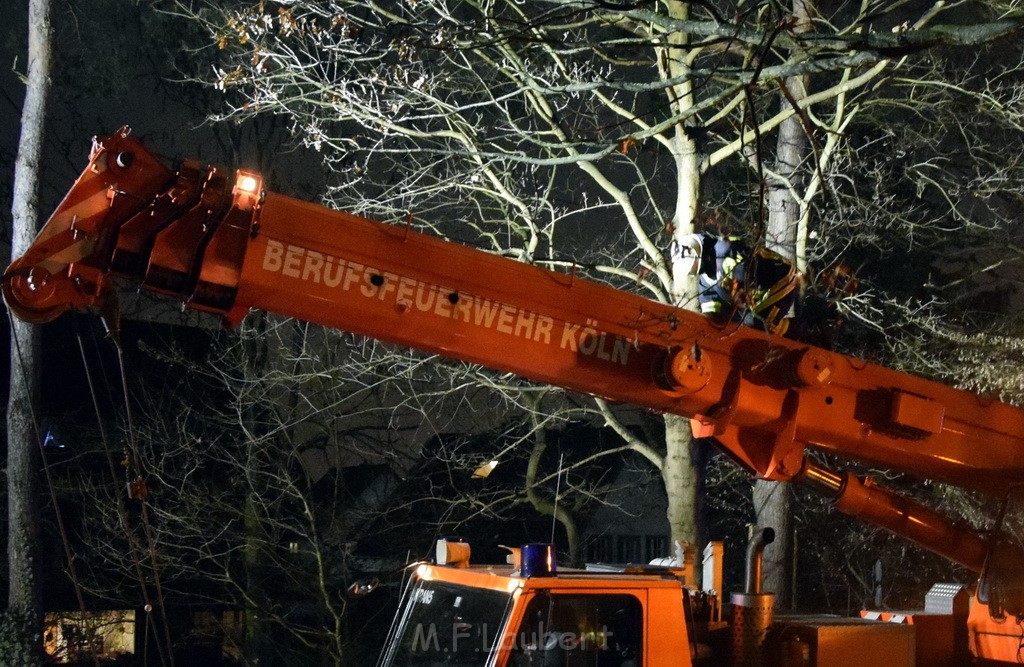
<point>580,630</point>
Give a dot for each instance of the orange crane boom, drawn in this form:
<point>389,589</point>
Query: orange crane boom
<point>220,243</point>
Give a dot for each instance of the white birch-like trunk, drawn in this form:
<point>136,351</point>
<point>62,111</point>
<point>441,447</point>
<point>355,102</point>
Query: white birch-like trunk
<point>22,439</point>
<point>678,470</point>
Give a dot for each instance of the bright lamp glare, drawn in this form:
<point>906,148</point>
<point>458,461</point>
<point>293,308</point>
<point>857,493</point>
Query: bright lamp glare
<point>247,183</point>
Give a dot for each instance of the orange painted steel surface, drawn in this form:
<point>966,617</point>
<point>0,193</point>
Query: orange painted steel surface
<point>913,521</point>
<point>666,634</point>
<point>994,638</point>
<point>220,244</point>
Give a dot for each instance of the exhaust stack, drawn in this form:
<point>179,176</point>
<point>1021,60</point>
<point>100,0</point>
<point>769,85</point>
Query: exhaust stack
<point>752,610</point>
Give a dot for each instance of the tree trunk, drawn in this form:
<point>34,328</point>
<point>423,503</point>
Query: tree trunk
<point>772,499</point>
<point>537,500</point>
<point>678,471</point>
<point>22,438</point>
<point>772,508</point>
<point>258,634</point>
<point>680,477</point>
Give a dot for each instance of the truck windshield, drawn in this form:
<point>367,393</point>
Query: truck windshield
<point>445,624</point>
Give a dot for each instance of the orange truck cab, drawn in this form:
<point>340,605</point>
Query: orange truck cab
<point>497,615</point>
<point>531,612</point>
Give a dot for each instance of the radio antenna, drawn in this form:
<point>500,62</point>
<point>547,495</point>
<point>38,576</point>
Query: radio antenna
<point>558,488</point>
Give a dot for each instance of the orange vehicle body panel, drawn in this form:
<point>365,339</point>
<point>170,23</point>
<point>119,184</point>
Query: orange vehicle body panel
<point>1000,639</point>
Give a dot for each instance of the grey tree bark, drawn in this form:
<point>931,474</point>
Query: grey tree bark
<point>772,499</point>
<point>22,449</point>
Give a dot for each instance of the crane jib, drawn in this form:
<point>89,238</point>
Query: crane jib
<point>220,243</point>
<point>404,292</point>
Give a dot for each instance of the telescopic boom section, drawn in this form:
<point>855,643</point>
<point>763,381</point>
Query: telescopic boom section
<point>220,243</point>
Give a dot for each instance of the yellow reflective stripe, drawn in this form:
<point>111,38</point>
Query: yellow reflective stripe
<point>780,328</point>
<point>772,299</point>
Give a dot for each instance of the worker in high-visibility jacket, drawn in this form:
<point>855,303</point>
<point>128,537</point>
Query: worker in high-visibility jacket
<point>755,287</point>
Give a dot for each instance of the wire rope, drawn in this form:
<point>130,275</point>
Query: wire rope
<point>122,510</point>
<point>137,487</point>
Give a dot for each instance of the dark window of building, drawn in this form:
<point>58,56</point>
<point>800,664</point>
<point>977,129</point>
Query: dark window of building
<point>656,546</point>
<point>629,549</point>
<point>600,550</point>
